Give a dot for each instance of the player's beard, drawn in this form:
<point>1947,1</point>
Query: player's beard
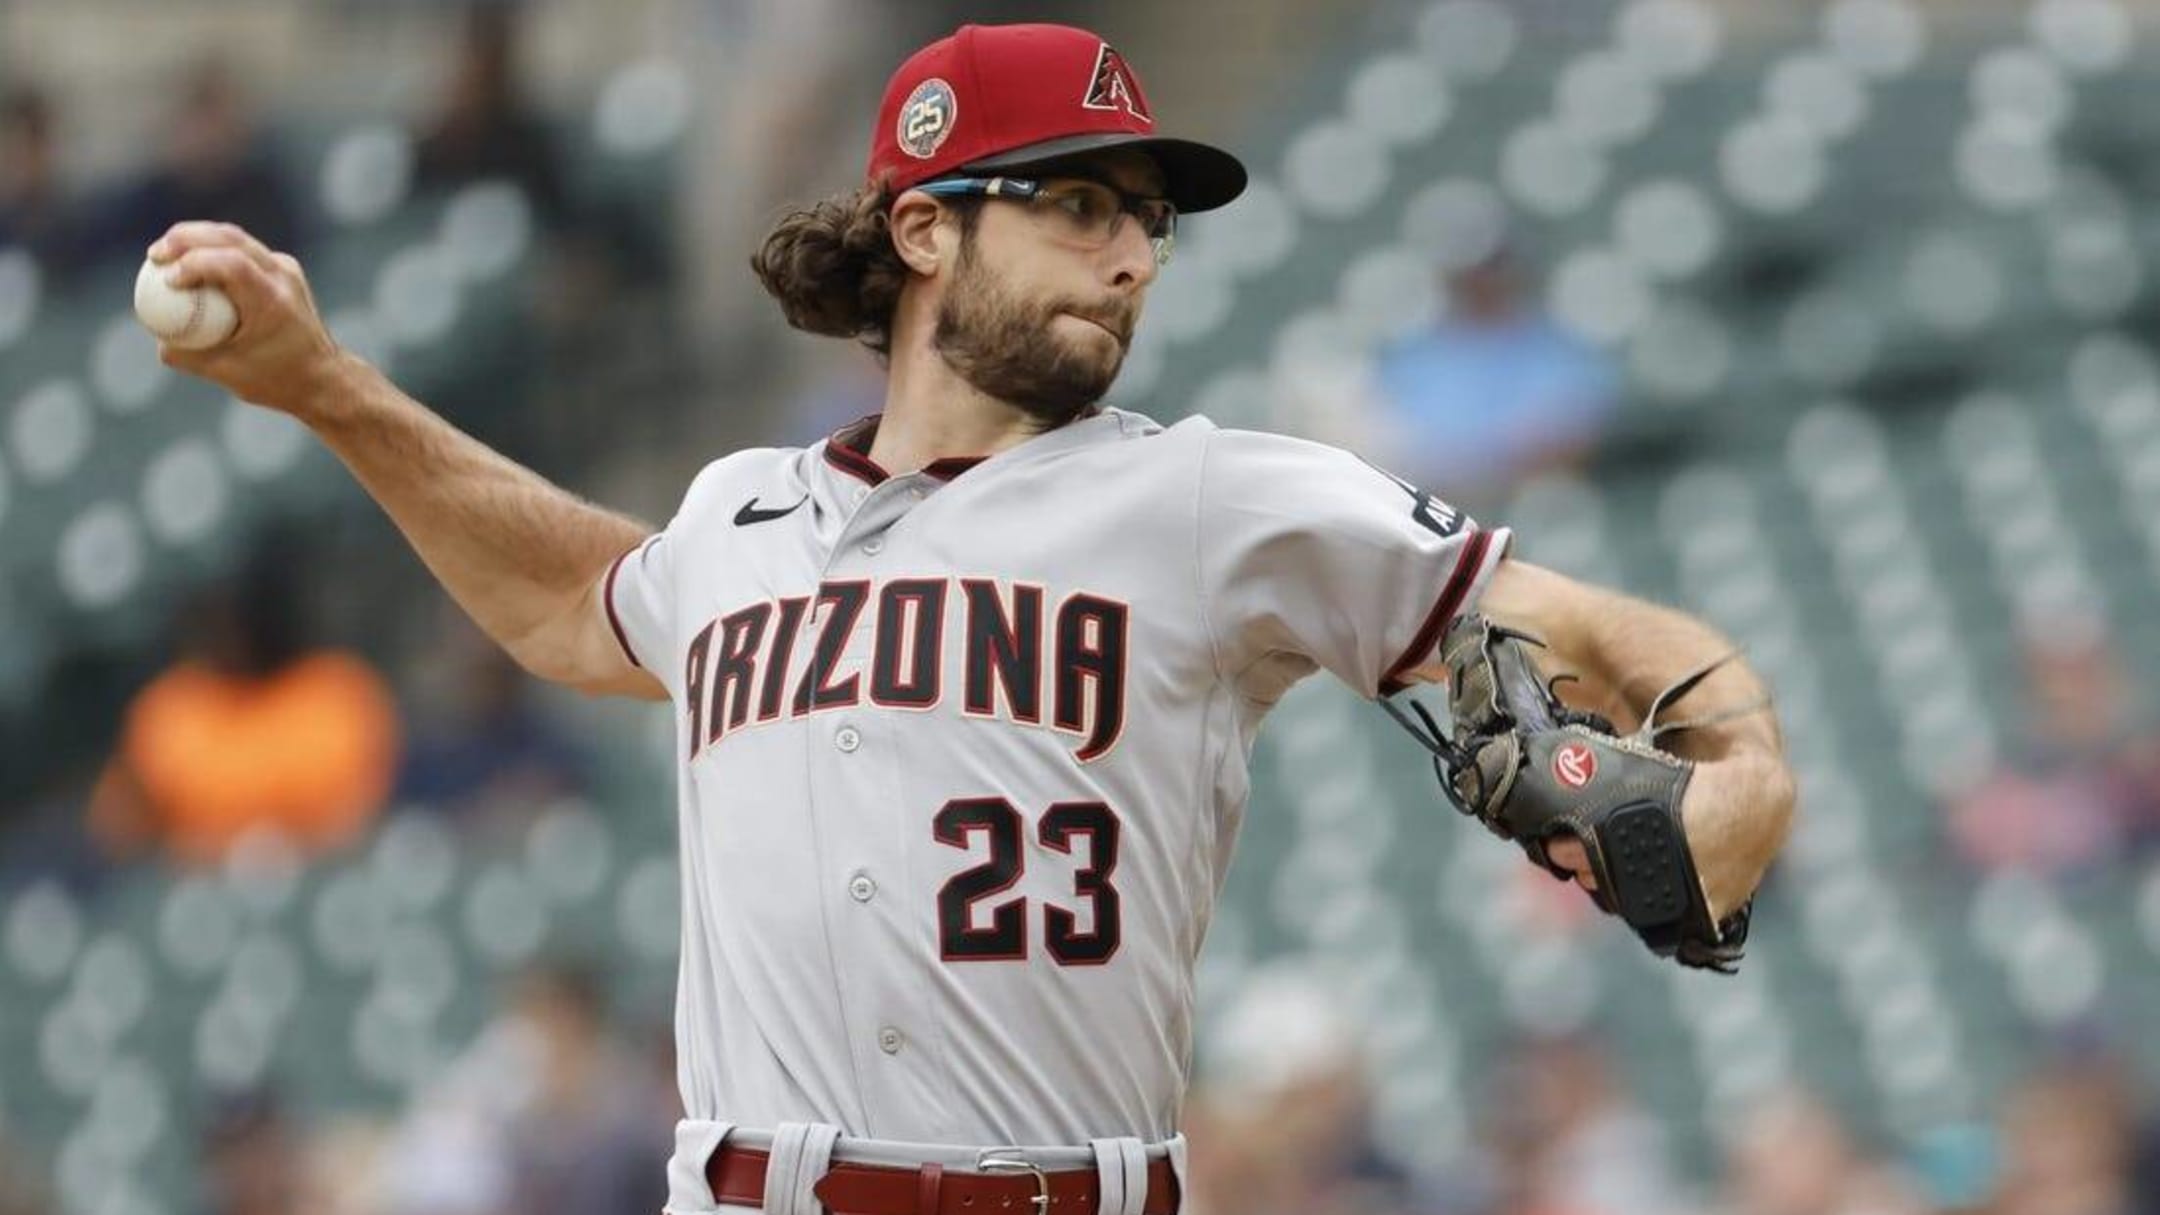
<point>1007,348</point>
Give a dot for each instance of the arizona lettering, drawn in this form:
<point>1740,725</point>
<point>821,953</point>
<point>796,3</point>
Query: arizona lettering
<point>1019,658</point>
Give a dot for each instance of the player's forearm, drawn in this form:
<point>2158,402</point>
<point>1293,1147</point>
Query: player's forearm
<point>1740,802</point>
<point>515,551</point>
<point>1639,649</point>
<point>1634,650</point>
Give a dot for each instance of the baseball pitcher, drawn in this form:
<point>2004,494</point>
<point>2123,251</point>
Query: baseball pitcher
<point>963,694</point>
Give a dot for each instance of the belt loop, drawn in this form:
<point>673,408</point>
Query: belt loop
<point>801,1152</point>
<point>696,1142</point>
<point>1179,1164</point>
<point>1121,1169</point>
<point>929,1184</point>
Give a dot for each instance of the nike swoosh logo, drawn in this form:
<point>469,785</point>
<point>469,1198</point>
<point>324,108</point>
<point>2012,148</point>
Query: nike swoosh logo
<point>751,514</point>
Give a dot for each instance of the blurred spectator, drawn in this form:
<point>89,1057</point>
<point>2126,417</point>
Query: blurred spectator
<point>2080,783</point>
<point>22,1192</point>
<point>252,1162</point>
<point>1493,393</point>
<point>522,379</point>
<point>1283,1125</point>
<point>252,727</point>
<point>35,213</point>
<point>590,1140</point>
<point>484,130</point>
<point>1952,1165</point>
<point>479,746</point>
<point>2068,1144</point>
<point>213,163</point>
<point>1793,1157</point>
<point>1566,1139</point>
<point>46,836</point>
<point>549,1109</point>
<point>447,1156</point>
<point>345,1163</point>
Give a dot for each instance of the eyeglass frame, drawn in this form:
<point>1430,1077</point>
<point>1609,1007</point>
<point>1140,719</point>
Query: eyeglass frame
<point>1028,189</point>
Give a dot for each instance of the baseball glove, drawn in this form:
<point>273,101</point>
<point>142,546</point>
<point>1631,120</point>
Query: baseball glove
<point>1532,769</point>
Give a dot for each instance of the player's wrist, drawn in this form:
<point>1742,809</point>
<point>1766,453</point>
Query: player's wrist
<point>1736,812</point>
<point>330,388</point>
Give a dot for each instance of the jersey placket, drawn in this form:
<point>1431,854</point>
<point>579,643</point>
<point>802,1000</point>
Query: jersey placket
<point>854,773</point>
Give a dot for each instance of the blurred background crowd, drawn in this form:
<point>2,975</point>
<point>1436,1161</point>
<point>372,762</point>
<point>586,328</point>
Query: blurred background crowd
<point>1828,321</point>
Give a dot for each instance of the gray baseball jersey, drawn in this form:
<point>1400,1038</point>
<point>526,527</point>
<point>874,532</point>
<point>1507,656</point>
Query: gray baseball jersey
<point>964,753</point>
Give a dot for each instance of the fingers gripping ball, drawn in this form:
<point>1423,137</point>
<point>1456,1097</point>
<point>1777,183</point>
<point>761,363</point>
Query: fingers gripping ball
<point>193,318</point>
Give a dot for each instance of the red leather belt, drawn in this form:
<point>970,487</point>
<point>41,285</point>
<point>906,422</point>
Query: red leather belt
<point>737,1175</point>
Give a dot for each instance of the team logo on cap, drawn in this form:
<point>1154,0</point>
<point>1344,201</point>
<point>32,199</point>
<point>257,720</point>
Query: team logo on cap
<point>1113,87</point>
<point>927,118</point>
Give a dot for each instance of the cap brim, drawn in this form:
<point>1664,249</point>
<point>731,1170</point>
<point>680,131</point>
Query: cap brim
<point>1196,176</point>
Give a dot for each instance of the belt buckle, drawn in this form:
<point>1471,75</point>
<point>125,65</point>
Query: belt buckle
<point>1013,1160</point>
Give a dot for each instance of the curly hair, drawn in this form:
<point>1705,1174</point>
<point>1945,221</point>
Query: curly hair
<point>833,267</point>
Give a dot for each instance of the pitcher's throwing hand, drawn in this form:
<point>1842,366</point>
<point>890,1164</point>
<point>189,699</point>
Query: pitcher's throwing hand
<point>280,349</point>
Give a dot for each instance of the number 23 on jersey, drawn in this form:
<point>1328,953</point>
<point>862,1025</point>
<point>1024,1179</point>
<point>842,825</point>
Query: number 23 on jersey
<point>963,936</point>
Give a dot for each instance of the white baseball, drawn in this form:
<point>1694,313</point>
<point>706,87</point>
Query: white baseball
<point>196,318</point>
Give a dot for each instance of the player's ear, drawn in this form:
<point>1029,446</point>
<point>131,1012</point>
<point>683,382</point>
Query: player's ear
<point>915,227</point>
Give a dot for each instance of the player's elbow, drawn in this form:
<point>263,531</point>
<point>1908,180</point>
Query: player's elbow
<point>579,648</point>
<point>538,656</point>
<point>565,666</point>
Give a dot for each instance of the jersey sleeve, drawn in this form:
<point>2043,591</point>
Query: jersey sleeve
<point>639,594</point>
<point>1307,550</point>
<point>639,591</point>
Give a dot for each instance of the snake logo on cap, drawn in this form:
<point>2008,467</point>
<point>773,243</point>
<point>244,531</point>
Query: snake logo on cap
<point>927,119</point>
<point>1112,87</point>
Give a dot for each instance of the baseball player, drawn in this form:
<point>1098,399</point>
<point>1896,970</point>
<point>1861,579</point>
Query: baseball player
<point>963,694</point>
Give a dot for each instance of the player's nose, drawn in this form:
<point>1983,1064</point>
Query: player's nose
<point>1132,265</point>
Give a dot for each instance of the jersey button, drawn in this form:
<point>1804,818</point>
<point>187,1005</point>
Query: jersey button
<point>888,1040</point>
<point>873,546</point>
<point>847,739</point>
<point>861,888</point>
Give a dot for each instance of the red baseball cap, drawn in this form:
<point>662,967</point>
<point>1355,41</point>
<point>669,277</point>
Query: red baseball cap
<point>1007,98</point>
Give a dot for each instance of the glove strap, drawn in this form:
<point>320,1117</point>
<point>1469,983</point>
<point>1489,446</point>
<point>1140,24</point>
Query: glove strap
<point>1650,732</point>
<point>1448,758</point>
<point>1430,737</point>
<point>1648,878</point>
